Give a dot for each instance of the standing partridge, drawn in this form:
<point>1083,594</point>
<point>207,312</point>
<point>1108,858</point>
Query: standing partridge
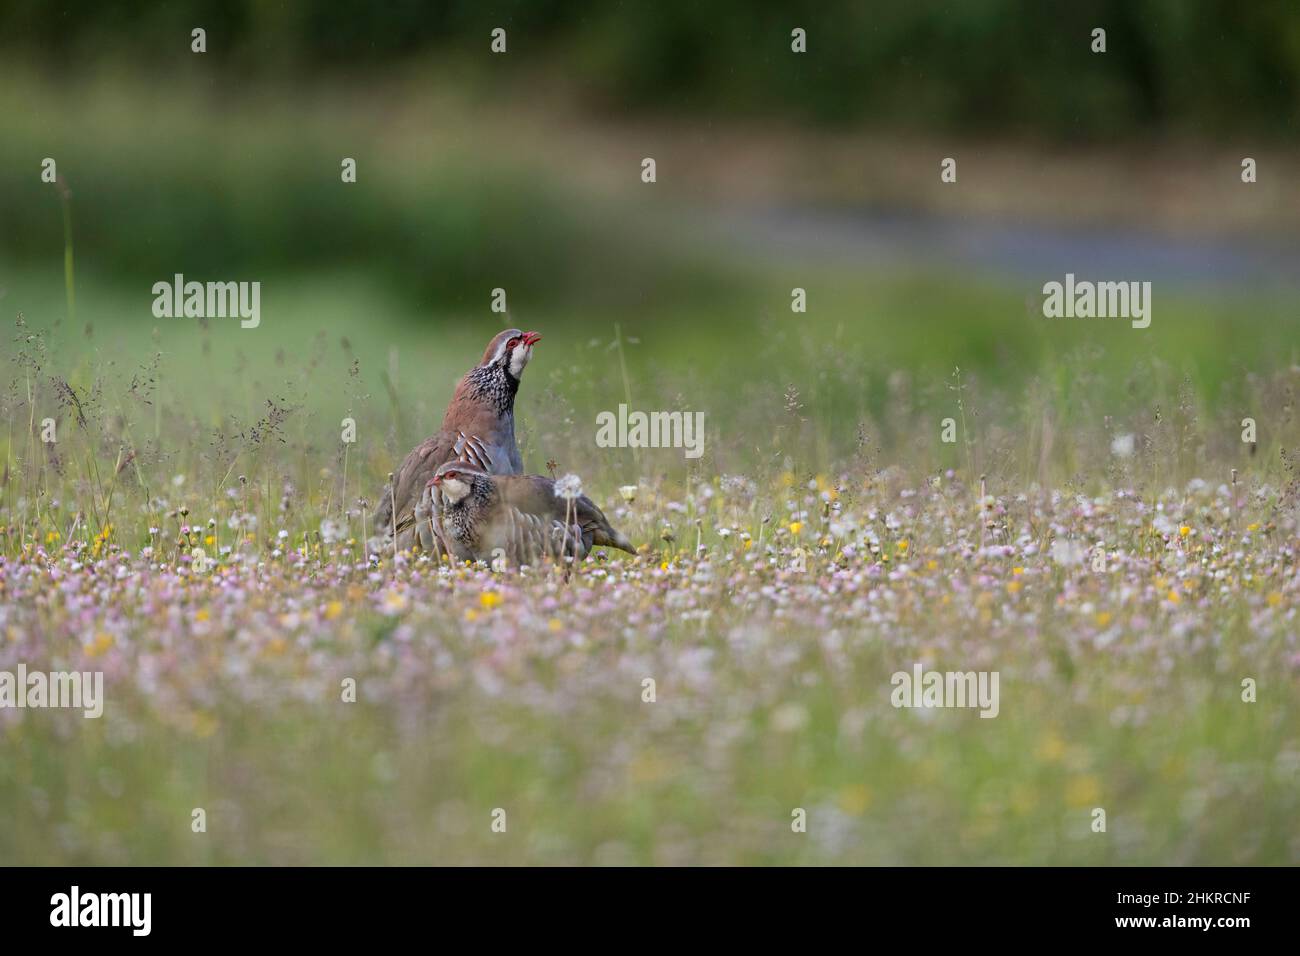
<point>481,516</point>
<point>478,429</point>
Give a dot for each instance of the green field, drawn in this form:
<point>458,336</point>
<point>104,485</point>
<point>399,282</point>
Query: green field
<point>827,538</point>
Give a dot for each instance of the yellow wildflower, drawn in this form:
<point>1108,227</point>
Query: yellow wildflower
<point>855,799</point>
<point>101,643</point>
<point>1082,791</point>
<point>1051,748</point>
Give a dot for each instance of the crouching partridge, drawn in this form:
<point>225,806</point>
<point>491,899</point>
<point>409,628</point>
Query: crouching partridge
<point>478,429</point>
<point>480,516</point>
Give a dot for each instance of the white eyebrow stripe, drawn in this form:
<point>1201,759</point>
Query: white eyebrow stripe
<point>502,350</point>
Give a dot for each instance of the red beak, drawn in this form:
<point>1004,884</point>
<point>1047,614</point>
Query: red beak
<point>531,338</point>
<point>435,480</point>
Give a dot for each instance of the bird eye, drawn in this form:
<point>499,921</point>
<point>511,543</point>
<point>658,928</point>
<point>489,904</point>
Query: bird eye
<point>512,343</point>
<point>449,474</point>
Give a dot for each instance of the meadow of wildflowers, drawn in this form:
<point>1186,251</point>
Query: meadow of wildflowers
<point>1128,580</point>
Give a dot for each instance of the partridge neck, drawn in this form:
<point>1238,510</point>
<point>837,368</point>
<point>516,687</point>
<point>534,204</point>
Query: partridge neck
<point>493,386</point>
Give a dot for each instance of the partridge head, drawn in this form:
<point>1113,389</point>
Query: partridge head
<point>492,384</point>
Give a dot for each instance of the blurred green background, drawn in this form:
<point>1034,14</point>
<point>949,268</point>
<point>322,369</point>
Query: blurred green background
<point>775,170</point>
<point>1206,68</point>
